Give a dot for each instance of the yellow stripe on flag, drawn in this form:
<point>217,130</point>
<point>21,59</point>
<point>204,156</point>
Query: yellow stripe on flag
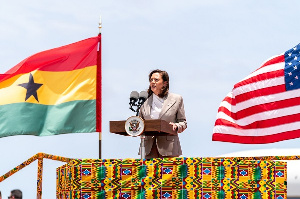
<point>57,88</point>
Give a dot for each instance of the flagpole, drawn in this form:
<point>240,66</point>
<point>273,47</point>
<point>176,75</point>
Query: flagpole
<point>99,88</point>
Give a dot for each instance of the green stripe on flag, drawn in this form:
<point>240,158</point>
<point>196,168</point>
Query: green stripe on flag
<point>43,120</point>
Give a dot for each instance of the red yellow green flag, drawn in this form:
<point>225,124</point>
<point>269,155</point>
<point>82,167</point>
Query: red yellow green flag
<point>53,92</point>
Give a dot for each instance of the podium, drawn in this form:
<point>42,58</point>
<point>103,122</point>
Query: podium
<point>152,128</point>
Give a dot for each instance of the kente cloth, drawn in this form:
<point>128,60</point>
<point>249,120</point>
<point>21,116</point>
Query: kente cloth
<point>205,178</point>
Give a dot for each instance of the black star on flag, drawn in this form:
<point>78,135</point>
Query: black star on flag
<point>31,87</point>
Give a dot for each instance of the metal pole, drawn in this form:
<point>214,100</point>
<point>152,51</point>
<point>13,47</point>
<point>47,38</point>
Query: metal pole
<point>99,76</point>
<point>100,145</point>
<point>100,24</point>
<point>142,146</point>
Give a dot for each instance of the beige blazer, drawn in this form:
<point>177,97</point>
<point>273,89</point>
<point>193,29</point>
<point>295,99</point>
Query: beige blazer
<point>172,111</point>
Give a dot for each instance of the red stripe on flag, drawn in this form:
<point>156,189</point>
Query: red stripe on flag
<point>260,92</point>
<point>65,58</point>
<point>274,60</point>
<point>252,94</point>
<point>268,106</point>
<point>262,123</point>
<point>261,77</point>
<point>256,139</point>
<point>229,100</point>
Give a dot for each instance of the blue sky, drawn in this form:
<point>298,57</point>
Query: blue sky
<point>206,47</point>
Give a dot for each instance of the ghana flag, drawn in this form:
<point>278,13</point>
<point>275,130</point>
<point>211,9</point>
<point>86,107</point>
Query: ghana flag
<point>53,92</point>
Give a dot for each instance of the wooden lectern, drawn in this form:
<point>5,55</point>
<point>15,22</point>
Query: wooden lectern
<point>152,127</point>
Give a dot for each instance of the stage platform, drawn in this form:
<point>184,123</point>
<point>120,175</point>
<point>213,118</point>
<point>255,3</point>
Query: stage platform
<point>182,177</point>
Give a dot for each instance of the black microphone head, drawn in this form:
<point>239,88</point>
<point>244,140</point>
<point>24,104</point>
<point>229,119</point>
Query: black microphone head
<point>143,94</point>
<point>134,95</point>
<point>142,98</point>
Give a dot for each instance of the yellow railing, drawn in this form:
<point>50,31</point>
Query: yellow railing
<point>39,157</point>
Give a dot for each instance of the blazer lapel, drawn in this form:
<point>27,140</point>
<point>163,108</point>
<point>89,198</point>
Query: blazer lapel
<point>148,105</point>
<point>168,103</point>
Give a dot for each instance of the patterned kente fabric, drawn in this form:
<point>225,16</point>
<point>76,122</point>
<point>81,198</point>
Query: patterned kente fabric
<point>172,178</point>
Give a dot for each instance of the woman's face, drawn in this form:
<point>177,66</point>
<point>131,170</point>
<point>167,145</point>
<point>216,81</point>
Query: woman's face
<point>157,83</point>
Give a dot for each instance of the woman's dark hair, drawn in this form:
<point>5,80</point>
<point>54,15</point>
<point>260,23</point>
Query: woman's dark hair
<point>165,78</point>
<point>17,193</point>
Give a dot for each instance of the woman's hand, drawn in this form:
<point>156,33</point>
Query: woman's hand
<point>174,126</point>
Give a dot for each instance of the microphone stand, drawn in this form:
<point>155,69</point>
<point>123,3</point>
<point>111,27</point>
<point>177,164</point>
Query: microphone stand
<point>134,102</point>
<point>142,152</point>
<point>142,136</point>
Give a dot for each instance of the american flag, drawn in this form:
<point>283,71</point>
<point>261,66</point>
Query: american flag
<point>264,107</point>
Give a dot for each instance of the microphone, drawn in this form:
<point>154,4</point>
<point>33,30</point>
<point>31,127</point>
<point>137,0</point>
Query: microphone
<point>142,97</point>
<point>137,100</point>
<point>134,95</point>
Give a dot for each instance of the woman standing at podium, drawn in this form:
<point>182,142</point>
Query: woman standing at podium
<point>161,104</point>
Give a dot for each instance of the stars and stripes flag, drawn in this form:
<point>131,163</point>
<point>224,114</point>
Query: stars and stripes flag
<point>264,107</point>
<point>53,92</point>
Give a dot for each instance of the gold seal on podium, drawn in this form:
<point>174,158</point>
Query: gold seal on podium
<point>134,126</point>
